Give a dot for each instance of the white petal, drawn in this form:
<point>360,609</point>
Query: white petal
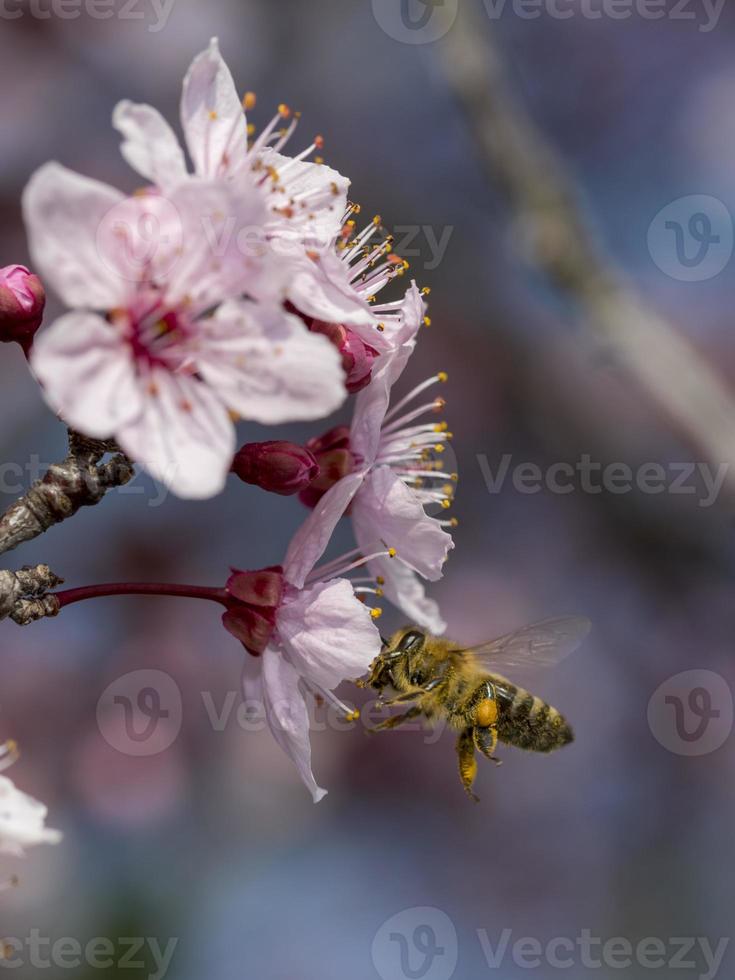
<point>320,287</point>
<point>328,633</point>
<point>184,436</point>
<point>212,116</point>
<point>87,373</point>
<point>267,366</point>
<point>315,196</point>
<point>22,820</point>
<point>386,510</point>
<point>65,217</point>
<point>404,589</point>
<point>208,257</point>
<point>311,540</point>
<point>150,145</point>
<point>287,716</point>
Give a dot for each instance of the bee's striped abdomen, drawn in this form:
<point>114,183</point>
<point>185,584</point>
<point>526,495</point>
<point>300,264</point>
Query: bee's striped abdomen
<point>528,722</point>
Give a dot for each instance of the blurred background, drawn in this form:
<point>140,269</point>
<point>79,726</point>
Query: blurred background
<point>208,837</point>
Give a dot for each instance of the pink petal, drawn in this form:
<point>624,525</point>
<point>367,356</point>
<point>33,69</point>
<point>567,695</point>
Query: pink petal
<point>65,215</point>
<point>404,589</point>
<point>285,710</point>
<point>312,538</point>
<point>150,145</point>
<point>319,194</point>
<point>212,116</point>
<point>320,287</point>
<point>87,373</point>
<point>328,633</point>
<point>206,259</point>
<point>386,510</point>
<point>184,436</point>
<point>267,366</point>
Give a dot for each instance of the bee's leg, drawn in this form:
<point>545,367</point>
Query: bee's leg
<point>396,720</point>
<point>467,762</point>
<point>485,740</point>
<point>401,699</point>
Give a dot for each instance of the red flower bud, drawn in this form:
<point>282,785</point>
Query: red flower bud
<point>335,460</point>
<point>357,356</point>
<point>278,467</point>
<point>22,299</point>
<point>251,616</point>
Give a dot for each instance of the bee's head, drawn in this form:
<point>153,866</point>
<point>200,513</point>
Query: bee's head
<point>396,650</point>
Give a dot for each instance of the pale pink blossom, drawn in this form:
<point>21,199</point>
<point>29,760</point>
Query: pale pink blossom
<point>305,641</point>
<point>160,349</point>
<point>305,201</point>
<point>22,819</point>
<point>385,470</point>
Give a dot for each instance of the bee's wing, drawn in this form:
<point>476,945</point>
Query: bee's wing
<point>542,644</point>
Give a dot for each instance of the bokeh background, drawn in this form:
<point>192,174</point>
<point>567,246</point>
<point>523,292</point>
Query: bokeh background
<point>213,841</point>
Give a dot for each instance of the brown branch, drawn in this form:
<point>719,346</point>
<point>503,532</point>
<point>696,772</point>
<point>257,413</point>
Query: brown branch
<point>532,176</point>
<point>81,480</point>
<point>23,594</point>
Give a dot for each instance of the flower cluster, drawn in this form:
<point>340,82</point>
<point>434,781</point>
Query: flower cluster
<point>240,285</point>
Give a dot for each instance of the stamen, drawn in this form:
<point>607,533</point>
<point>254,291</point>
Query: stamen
<point>440,377</point>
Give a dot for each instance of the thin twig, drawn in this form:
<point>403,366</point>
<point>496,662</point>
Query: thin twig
<point>81,480</point>
<point>518,158</point>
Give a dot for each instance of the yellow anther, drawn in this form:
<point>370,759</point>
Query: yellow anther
<point>426,290</point>
<point>319,160</point>
<point>251,129</point>
<point>249,101</point>
<point>453,522</point>
<point>392,552</point>
<point>448,489</point>
<point>427,321</point>
<point>454,477</point>
<point>213,114</point>
<point>380,580</point>
<point>446,504</point>
<point>284,111</point>
<point>379,593</point>
<point>381,327</point>
<point>376,613</point>
<point>439,447</point>
<point>377,220</point>
<point>353,715</point>
<point>319,142</point>
<point>440,427</point>
<point>443,377</point>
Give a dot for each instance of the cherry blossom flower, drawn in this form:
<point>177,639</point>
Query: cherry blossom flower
<point>306,201</point>
<point>384,470</point>
<point>173,350</point>
<point>305,640</point>
<point>22,819</point>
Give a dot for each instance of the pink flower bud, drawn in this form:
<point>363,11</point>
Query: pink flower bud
<point>357,356</point>
<point>278,467</point>
<point>22,299</point>
<point>335,460</point>
<point>255,598</point>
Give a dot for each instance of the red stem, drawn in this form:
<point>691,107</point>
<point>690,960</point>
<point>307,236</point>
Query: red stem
<point>68,596</point>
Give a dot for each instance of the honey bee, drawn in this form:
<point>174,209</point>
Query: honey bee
<point>459,684</point>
